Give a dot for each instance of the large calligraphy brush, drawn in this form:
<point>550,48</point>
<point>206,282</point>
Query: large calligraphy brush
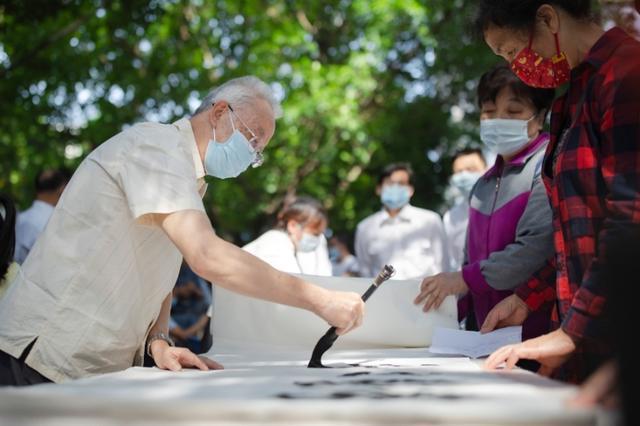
<point>330,336</point>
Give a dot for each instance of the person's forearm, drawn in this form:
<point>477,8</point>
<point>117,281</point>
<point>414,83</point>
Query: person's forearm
<point>228,266</point>
<point>162,323</point>
<point>232,268</point>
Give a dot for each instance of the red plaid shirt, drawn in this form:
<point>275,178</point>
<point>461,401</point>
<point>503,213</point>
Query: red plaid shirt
<point>592,174</point>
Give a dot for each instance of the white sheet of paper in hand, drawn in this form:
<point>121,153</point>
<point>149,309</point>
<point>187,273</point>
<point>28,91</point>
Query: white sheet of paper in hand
<point>472,343</point>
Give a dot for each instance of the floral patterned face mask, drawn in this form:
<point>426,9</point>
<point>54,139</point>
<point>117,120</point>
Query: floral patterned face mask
<point>536,71</point>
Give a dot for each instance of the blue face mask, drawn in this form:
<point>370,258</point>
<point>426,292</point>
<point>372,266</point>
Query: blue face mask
<point>464,181</point>
<point>229,158</point>
<point>308,242</point>
<point>395,196</point>
<point>334,254</point>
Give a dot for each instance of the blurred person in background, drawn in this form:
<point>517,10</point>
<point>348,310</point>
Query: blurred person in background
<point>8,268</point>
<point>468,165</point>
<point>297,243</point>
<point>192,299</point>
<point>343,262</point>
<point>30,223</point>
<point>409,238</point>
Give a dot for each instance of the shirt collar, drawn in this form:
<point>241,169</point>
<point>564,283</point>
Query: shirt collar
<point>520,159</point>
<point>606,46</point>
<point>404,215</point>
<point>186,131</point>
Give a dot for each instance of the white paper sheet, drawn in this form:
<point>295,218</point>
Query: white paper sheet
<point>266,384</point>
<point>472,343</point>
<point>391,319</point>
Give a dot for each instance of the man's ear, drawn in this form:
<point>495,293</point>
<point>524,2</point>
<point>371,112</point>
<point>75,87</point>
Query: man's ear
<point>217,111</point>
<point>378,190</point>
<point>412,190</point>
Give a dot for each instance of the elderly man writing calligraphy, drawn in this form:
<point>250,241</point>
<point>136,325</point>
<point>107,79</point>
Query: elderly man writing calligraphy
<point>95,291</point>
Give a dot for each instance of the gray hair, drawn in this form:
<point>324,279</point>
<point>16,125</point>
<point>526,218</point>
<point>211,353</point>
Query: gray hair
<point>242,91</point>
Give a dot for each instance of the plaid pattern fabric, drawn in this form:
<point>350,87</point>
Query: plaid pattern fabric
<point>592,174</point>
<point>540,291</point>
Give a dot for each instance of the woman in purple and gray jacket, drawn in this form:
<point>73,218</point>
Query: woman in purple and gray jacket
<point>510,234</point>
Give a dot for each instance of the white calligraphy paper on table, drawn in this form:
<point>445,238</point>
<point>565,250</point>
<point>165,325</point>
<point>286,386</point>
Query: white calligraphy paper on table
<point>473,343</point>
<point>391,319</point>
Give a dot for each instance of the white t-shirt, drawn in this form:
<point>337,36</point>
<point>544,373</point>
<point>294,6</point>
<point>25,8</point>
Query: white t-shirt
<point>413,242</point>
<point>276,248</point>
<point>29,225</point>
<point>95,280</point>
<point>455,222</point>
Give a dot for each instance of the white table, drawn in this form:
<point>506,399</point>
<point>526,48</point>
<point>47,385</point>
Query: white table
<point>267,385</point>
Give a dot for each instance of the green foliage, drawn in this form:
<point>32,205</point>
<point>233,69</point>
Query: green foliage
<point>364,82</point>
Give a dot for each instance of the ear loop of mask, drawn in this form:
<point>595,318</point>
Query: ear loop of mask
<point>555,36</point>
<point>557,44</point>
<point>232,126</point>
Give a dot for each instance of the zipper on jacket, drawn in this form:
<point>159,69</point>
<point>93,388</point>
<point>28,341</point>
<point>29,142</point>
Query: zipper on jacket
<point>493,209</point>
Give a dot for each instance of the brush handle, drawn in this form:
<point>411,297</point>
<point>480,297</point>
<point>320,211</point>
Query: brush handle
<point>369,292</point>
<point>330,336</point>
<point>327,340</point>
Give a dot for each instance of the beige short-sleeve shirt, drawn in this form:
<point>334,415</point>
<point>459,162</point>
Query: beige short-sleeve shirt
<point>95,280</point>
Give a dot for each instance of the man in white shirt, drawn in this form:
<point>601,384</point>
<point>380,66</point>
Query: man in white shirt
<point>95,292</point>
<point>31,222</point>
<point>468,166</point>
<point>409,238</point>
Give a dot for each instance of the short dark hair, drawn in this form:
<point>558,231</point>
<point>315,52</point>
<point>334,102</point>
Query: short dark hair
<point>521,14</point>
<point>468,151</point>
<point>394,167</point>
<point>51,180</point>
<point>342,238</point>
<point>502,76</point>
<point>302,209</point>
<point>7,233</point>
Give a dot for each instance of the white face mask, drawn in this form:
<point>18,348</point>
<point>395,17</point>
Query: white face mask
<point>464,181</point>
<point>503,136</point>
<point>308,242</point>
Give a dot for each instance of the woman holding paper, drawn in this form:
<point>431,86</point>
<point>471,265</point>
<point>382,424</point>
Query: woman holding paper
<point>509,238</point>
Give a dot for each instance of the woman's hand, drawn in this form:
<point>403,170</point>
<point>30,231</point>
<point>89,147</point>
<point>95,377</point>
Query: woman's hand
<point>510,311</point>
<point>435,289</point>
<point>550,350</point>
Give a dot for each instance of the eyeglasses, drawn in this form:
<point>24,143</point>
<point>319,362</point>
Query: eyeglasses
<point>253,141</point>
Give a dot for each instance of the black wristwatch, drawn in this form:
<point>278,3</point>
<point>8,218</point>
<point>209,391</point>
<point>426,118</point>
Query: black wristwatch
<point>158,336</point>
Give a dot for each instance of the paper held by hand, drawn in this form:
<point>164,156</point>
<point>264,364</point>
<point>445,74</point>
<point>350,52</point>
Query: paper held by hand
<point>472,343</point>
